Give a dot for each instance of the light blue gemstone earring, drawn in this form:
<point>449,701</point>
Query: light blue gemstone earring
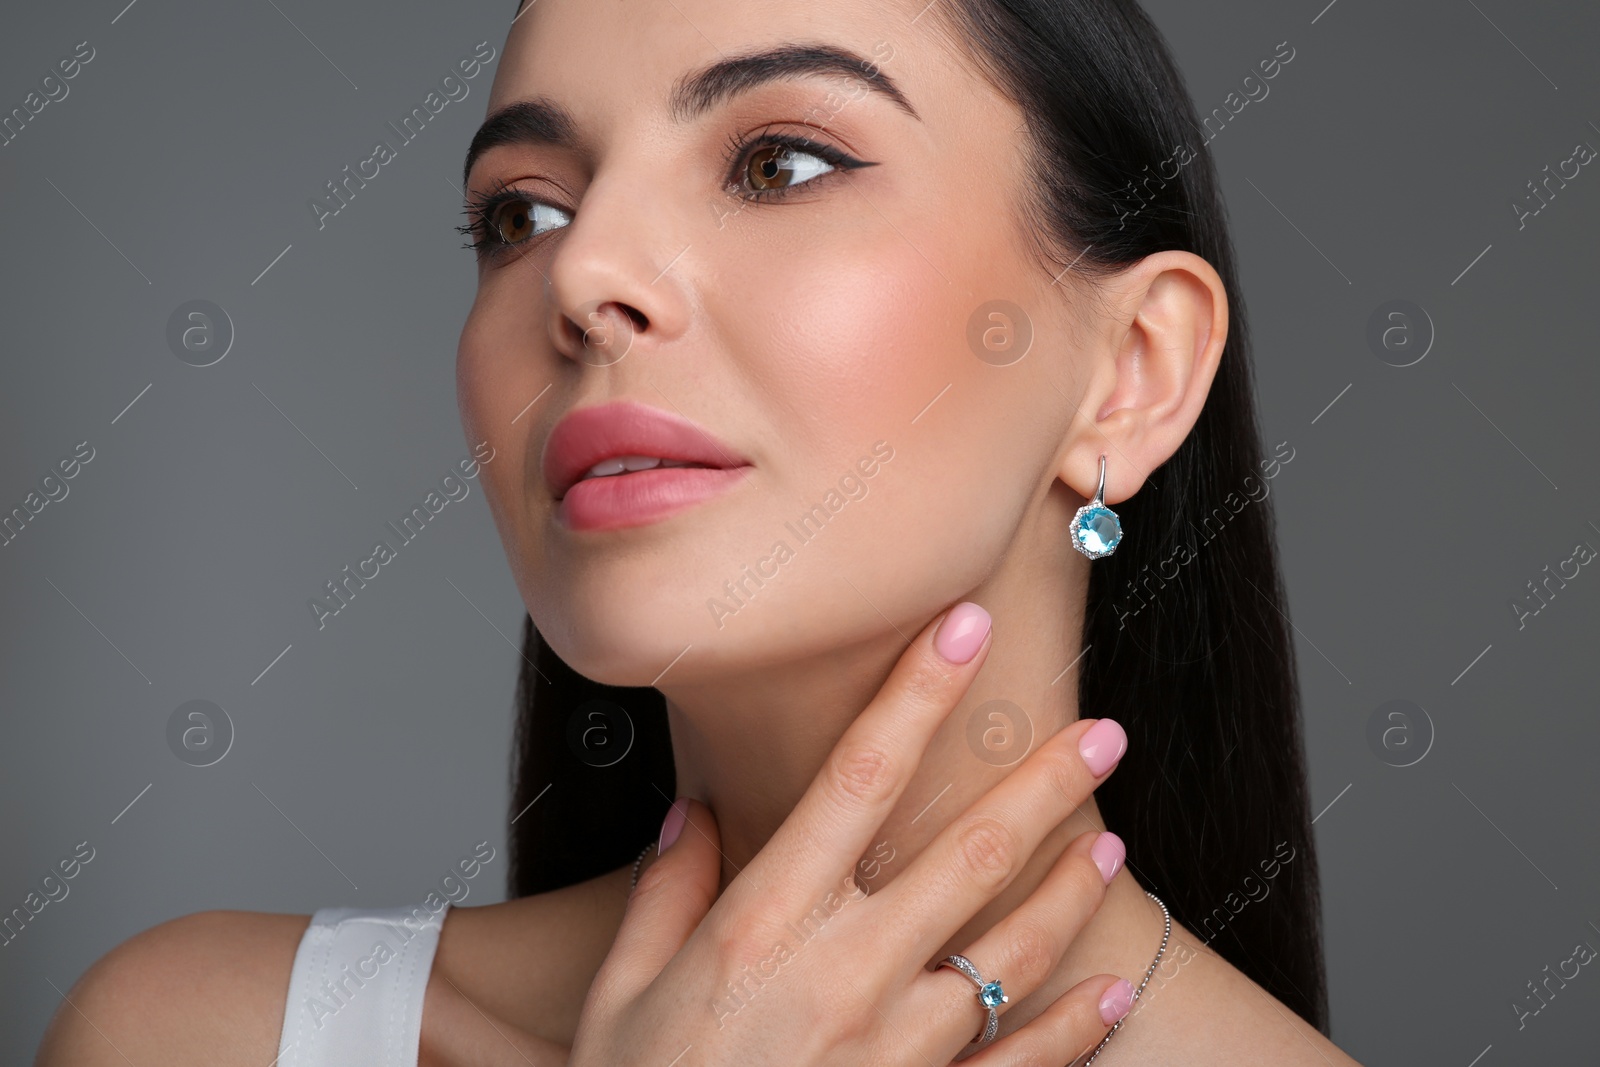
<point>1096,530</point>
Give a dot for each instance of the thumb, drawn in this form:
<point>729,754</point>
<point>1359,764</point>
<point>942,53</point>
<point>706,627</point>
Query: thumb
<point>677,887</point>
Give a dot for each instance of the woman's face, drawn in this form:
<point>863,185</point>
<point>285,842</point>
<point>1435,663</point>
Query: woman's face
<point>835,338</point>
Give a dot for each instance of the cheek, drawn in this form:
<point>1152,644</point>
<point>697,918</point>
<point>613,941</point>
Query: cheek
<point>869,344</point>
<point>496,370</point>
<point>497,374</point>
<point>843,348</point>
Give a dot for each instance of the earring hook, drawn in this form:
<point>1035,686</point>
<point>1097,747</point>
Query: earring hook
<point>1095,529</point>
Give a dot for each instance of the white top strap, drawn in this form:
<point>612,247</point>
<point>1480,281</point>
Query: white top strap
<point>355,993</point>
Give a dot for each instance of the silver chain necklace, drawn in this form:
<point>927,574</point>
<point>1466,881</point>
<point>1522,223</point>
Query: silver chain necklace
<point>1162,951</point>
<point>1165,934</point>
<point>635,883</point>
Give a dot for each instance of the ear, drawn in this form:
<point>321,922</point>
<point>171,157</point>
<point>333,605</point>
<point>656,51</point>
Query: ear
<point>1161,336</point>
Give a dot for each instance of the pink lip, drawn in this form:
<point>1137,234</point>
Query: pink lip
<point>626,428</point>
<point>641,497</point>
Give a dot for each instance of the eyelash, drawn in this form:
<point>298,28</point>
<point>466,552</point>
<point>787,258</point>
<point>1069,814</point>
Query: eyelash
<point>736,150</point>
<point>480,209</point>
<point>485,242</point>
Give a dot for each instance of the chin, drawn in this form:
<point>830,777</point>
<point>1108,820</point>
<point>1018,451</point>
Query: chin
<point>615,640</point>
<point>621,615</point>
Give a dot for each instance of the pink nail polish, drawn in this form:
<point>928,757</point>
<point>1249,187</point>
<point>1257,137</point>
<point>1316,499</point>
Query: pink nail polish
<point>1102,745</point>
<point>962,632</point>
<point>672,825</point>
<point>1116,1001</point>
<point>1108,852</point>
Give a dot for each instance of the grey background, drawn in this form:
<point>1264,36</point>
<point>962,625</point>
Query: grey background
<point>1420,500</point>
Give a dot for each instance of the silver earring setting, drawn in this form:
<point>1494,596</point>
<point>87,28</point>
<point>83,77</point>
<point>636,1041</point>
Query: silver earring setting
<point>1096,530</point>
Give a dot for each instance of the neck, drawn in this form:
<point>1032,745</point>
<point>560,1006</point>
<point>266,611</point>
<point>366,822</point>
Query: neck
<point>749,746</point>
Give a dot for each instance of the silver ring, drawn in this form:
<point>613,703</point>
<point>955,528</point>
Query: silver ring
<point>990,995</point>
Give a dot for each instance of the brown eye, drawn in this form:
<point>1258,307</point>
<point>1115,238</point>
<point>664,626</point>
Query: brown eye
<point>776,166</point>
<point>506,218</point>
<point>512,221</point>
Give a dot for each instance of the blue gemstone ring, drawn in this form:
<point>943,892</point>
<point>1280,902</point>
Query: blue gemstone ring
<point>990,995</point>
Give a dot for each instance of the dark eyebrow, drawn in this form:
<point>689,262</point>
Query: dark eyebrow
<point>530,122</point>
<point>542,121</point>
<point>704,89</point>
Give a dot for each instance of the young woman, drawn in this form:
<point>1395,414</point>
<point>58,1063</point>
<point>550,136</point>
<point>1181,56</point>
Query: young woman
<point>804,333</point>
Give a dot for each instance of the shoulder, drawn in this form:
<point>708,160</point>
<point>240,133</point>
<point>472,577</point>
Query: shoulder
<point>1219,1016</point>
<point>205,988</point>
<point>210,988</point>
<point>525,965</point>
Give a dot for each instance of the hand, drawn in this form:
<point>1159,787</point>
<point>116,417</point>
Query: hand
<point>728,980</point>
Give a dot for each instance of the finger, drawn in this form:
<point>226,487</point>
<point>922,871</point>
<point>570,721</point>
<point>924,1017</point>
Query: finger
<point>1024,948</point>
<point>1069,1028</point>
<point>870,766</point>
<point>673,896</point>
<point>978,854</point>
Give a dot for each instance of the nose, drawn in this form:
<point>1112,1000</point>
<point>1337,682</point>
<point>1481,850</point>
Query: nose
<point>615,283</point>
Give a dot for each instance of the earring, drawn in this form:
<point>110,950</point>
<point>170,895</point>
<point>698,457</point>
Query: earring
<point>1096,530</point>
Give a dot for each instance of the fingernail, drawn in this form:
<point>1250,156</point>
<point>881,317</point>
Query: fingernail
<point>961,632</point>
<point>1108,852</point>
<point>1116,1001</point>
<point>1102,745</point>
<point>672,825</point>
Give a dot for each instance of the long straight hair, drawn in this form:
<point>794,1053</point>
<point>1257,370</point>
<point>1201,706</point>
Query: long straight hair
<point>1186,640</point>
